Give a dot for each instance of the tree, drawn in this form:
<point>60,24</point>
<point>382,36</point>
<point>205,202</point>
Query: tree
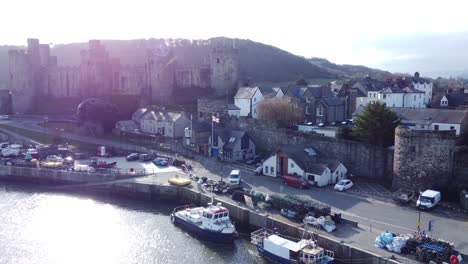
<point>285,111</point>
<point>97,116</point>
<point>301,82</point>
<point>376,125</point>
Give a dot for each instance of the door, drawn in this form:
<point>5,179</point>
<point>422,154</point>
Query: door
<point>214,152</point>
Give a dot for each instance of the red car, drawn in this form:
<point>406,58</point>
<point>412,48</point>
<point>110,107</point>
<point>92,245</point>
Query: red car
<point>295,181</point>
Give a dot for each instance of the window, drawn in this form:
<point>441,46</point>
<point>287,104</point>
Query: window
<point>266,169</point>
<point>307,110</point>
<point>308,99</point>
<point>272,170</point>
<point>384,96</point>
<point>320,110</point>
<point>436,127</point>
<point>255,110</point>
<point>414,97</point>
<point>232,139</point>
<point>452,127</point>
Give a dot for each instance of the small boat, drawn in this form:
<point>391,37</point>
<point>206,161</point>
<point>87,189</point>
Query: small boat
<point>209,223</point>
<point>282,249</point>
<point>180,181</point>
<point>101,164</point>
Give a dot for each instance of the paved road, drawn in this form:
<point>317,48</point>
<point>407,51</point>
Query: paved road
<point>373,216</point>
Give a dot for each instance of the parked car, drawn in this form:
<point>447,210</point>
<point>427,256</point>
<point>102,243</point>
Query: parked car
<point>428,199</point>
<point>54,158</point>
<point>4,117</point>
<point>295,181</point>
<point>160,162</point>
<point>254,160</point>
<point>343,185</point>
<point>146,157</point>
<point>234,177</point>
<point>133,157</point>
<point>68,161</point>
<point>403,196</point>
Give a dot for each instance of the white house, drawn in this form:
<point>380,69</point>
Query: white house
<point>303,161</point>
<point>233,110</point>
<point>424,86</point>
<point>164,123</point>
<point>247,99</point>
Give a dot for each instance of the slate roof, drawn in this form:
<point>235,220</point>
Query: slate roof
<point>431,115</point>
<point>297,91</point>
<point>139,113</point>
<point>454,100</point>
<point>320,91</point>
<point>317,168</point>
<point>333,165</point>
<point>226,135</point>
<point>245,92</point>
<point>396,89</point>
<point>232,107</point>
<point>268,90</point>
<point>162,115</point>
<point>300,155</point>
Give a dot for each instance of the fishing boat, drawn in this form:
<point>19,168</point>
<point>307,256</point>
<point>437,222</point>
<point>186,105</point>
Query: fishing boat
<point>282,249</point>
<point>209,223</point>
<point>101,164</point>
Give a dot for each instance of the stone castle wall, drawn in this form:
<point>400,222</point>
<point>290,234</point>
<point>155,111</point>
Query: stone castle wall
<point>360,159</point>
<point>423,159</point>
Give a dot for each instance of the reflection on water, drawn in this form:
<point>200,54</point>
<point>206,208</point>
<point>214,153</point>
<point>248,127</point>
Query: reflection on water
<point>59,228</point>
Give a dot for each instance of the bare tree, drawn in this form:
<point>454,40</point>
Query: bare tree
<point>286,111</point>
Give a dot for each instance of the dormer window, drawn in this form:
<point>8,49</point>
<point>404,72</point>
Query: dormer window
<point>443,102</point>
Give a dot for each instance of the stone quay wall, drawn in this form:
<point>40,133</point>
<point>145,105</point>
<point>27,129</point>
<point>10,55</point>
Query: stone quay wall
<point>361,159</point>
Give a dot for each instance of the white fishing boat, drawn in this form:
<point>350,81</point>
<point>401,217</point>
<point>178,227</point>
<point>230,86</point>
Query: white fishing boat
<point>210,223</point>
<point>285,250</point>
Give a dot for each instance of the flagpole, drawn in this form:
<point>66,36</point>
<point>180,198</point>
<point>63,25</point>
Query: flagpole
<point>212,134</point>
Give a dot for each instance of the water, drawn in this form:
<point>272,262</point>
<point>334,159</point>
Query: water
<point>43,227</point>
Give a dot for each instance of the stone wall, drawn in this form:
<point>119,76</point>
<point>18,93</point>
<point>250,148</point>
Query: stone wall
<point>423,159</point>
<point>360,159</point>
<point>207,106</point>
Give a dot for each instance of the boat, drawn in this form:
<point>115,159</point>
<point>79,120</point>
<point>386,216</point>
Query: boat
<point>282,249</point>
<point>209,223</point>
<point>101,164</point>
<point>179,181</point>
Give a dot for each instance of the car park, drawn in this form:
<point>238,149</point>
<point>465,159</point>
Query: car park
<point>133,157</point>
<point>295,181</point>
<point>343,185</point>
<point>146,157</point>
<point>54,158</point>
<point>160,162</point>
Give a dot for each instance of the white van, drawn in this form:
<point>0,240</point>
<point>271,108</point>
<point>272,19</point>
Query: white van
<point>428,199</point>
<point>83,168</point>
<point>234,177</point>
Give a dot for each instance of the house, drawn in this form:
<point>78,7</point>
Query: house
<point>308,97</point>
<point>305,162</point>
<point>126,126</point>
<point>232,145</point>
<point>247,99</point>
<point>197,137</point>
<point>164,123</point>
<point>233,110</point>
<point>330,110</point>
<point>452,101</point>
<point>424,86</point>
<point>431,118</point>
<point>136,117</point>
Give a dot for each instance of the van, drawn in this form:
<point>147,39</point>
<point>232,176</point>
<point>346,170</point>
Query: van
<point>295,181</point>
<point>428,199</point>
<point>83,168</point>
<point>234,177</point>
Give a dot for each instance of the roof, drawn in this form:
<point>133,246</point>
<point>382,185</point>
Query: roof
<point>429,193</point>
<point>300,155</point>
<point>333,165</point>
<point>245,92</point>
<point>268,90</point>
<point>317,168</point>
<point>454,100</point>
<point>162,115</point>
<point>396,89</point>
<point>282,242</point>
<point>431,115</point>
<point>232,107</point>
<point>320,91</point>
<point>296,91</point>
<point>229,137</point>
<point>139,113</point>
<point>332,101</point>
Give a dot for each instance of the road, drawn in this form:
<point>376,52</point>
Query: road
<point>374,216</point>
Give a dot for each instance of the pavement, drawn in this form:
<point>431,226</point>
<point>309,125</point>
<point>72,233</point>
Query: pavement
<point>367,203</point>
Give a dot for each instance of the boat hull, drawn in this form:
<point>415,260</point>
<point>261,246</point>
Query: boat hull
<point>201,233</point>
<point>277,259</point>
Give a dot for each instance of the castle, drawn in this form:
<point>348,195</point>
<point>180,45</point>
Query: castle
<point>34,74</point>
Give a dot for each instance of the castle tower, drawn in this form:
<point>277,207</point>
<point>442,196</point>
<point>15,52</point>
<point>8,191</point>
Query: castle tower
<point>161,67</point>
<point>28,75</point>
<point>224,64</point>
<point>423,158</point>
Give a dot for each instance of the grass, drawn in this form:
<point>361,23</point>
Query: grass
<point>66,126</point>
<point>46,138</point>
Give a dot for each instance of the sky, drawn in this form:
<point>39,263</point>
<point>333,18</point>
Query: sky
<point>390,35</point>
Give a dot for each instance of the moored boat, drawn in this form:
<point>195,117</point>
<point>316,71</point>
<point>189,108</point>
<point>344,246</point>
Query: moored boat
<point>209,223</point>
<point>285,250</point>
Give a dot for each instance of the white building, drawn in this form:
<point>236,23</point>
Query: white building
<point>164,123</point>
<point>303,161</point>
<point>424,86</point>
<point>395,97</point>
<point>247,99</point>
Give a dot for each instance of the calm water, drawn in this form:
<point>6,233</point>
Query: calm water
<point>46,227</point>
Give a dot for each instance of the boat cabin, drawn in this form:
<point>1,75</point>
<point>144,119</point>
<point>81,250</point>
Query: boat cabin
<point>215,216</point>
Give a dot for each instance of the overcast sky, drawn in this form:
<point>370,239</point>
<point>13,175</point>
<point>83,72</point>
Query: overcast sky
<point>392,35</point>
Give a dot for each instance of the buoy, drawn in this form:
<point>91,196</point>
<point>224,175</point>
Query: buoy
<point>453,259</point>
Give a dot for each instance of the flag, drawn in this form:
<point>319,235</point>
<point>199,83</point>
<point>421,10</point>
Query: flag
<point>215,119</point>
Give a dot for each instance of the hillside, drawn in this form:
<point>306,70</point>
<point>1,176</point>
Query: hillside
<point>348,71</point>
<point>258,62</point>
